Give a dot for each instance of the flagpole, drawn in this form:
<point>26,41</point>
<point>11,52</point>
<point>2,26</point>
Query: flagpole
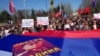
<point>46,4</point>
<point>61,7</point>
<point>25,9</point>
<point>12,11</point>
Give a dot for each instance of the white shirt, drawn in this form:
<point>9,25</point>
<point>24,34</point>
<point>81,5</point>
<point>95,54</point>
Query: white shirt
<point>67,26</point>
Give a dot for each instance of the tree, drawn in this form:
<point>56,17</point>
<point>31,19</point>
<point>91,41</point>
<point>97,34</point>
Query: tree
<point>97,7</point>
<point>4,16</point>
<point>85,3</point>
<point>33,15</point>
<point>68,9</point>
<point>56,9</point>
<point>88,3</point>
<point>44,13</point>
<point>20,14</point>
<point>15,19</point>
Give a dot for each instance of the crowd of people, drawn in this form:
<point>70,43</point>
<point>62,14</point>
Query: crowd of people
<point>66,24</point>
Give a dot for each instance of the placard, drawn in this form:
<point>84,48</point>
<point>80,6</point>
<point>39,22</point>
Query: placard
<point>42,21</point>
<point>27,22</point>
<point>97,16</point>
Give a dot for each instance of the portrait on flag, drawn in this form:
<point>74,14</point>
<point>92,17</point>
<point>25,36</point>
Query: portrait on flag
<point>34,47</point>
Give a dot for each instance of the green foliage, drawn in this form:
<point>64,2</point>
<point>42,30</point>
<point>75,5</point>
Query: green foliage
<point>44,13</point>
<point>33,15</point>
<point>4,17</point>
<point>68,9</point>
<point>20,14</point>
<point>56,9</point>
<point>97,7</point>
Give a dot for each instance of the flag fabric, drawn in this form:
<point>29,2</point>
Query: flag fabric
<point>5,53</point>
<point>80,11</point>
<point>77,43</point>
<point>56,14</point>
<point>60,10</point>
<point>59,13</point>
<point>93,3</point>
<point>33,47</point>
<point>12,7</point>
<point>87,10</point>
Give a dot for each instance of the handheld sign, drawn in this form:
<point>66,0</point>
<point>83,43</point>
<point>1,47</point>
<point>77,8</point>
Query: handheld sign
<point>27,23</point>
<point>42,20</point>
<point>97,16</point>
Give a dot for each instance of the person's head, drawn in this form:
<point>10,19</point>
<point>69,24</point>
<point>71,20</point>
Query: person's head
<point>2,28</point>
<point>42,28</point>
<point>25,29</point>
<point>94,21</point>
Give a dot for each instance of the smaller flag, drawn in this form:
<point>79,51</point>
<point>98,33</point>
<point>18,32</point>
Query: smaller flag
<point>93,3</point>
<point>12,7</point>
<point>60,11</point>
<point>56,14</point>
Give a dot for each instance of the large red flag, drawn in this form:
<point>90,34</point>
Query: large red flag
<point>87,10</point>
<point>12,7</point>
<point>80,11</point>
